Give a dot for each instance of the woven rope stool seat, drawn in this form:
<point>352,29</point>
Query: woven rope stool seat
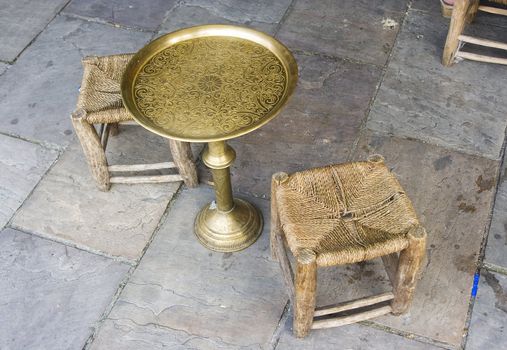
<point>100,102</point>
<point>342,214</point>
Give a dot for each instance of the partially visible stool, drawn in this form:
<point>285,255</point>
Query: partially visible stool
<point>342,214</point>
<point>464,11</point>
<point>100,102</point>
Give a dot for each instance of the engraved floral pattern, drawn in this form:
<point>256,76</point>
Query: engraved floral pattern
<point>209,87</point>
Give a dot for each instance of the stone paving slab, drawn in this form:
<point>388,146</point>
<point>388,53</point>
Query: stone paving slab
<point>184,296</point>
<point>261,15</point>
<point>355,336</point>
<point>362,30</point>
<point>130,13</point>
<point>317,127</point>
<point>452,194</point>
<point>487,327</point>
<point>496,248</point>
<point>459,107</point>
<point>22,164</point>
<point>52,295</point>
<point>22,21</point>
<point>67,205</point>
<point>3,67</point>
<point>40,91</point>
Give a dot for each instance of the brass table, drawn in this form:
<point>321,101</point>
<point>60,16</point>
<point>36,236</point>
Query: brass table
<point>209,84</point>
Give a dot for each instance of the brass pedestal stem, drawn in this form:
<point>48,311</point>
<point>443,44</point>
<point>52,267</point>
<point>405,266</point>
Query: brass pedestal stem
<point>227,224</point>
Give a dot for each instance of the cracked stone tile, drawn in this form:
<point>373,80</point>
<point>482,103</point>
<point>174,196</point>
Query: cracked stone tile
<point>22,164</point>
<point>361,30</point>
<point>67,205</point>
<point>52,295</point>
<point>496,248</point>
<point>130,13</point>
<point>22,21</point>
<point>39,92</point>
<point>452,193</point>
<point>459,107</point>
<point>184,296</point>
<point>487,326</point>
<point>261,15</point>
<point>353,336</point>
<point>317,127</point>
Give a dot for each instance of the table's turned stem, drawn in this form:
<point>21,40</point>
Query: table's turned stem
<point>227,224</point>
<point>218,156</point>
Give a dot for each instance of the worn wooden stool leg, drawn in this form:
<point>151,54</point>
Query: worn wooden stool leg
<point>410,262</point>
<point>472,10</point>
<point>92,148</point>
<point>114,129</point>
<point>305,291</point>
<point>459,15</point>
<point>283,259</point>
<point>182,156</point>
<point>276,228</point>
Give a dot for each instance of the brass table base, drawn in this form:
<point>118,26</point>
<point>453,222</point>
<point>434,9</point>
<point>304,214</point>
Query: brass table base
<point>228,231</point>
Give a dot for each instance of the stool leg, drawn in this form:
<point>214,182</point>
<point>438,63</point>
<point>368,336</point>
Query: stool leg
<point>472,11</point>
<point>410,262</point>
<point>92,148</point>
<point>283,259</point>
<point>182,156</point>
<point>456,27</point>
<point>305,290</point>
<point>276,227</point>
<point>114,129</point>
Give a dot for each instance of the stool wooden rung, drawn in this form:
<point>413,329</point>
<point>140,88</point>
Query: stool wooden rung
<point>144,179</point>
<point>353,304</point>
<point>349,319</point>
<point>494,10</point>
<point>142,167</point>
<point>480,42</point>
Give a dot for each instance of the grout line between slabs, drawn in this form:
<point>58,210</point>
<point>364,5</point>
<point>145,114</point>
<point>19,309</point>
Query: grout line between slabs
<point>277,334</point>
<point>9,223</point>
<point>46,145</point>
<point>407,335</point>
<point>362,127</point>
<point>131,271</point>
<point>105,22</point>
<point>284,17</point>
<point>69,243</point>
<point>482,253</point>
<point>39,33</point>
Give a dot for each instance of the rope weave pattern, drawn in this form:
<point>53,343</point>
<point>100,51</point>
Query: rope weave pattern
<point>100,93</point>
<point>345,213</point>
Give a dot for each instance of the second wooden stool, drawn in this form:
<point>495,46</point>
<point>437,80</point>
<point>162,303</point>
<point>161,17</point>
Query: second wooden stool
<point>342,214</point>
<point>100,102</point>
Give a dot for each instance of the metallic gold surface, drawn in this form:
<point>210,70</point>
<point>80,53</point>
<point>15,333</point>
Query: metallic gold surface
<point>209,83</point>
<point>227,224</point>
<point>228,231</point>
<point>218,155</point>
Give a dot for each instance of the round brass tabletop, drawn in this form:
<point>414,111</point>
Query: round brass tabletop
<point>209,83</point>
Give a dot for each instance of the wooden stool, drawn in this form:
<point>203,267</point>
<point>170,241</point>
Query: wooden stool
<point>100,102</point>
<point>464,11</point>
<point>342,214</point>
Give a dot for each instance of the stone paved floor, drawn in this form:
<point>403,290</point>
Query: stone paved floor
<point>83,269</point>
